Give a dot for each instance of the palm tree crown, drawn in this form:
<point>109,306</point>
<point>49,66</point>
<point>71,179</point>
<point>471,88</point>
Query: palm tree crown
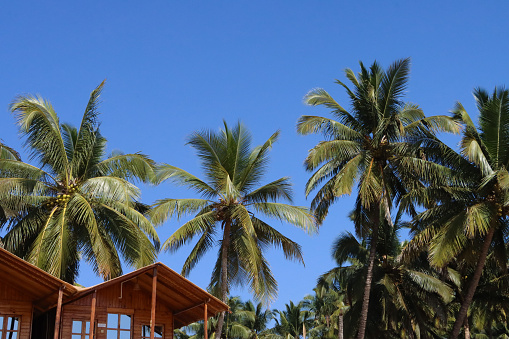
<point>76,204</point>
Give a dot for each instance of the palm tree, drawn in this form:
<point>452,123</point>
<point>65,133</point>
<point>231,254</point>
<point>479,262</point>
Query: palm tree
<point>228,210</point>
<point>366,145</point>
<point>411,298</point>
<point>75,203</point>
<point>291,322</point>
<point>257,323</point>
<point>473,205</point>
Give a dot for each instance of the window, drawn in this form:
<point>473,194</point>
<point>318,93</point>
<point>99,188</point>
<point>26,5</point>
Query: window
<point>119,326</point>
<point>80,329</point>
<point>9,327</point>
<point>145,331</point>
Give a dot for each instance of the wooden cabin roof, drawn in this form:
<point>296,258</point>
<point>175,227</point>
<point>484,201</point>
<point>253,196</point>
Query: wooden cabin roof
<point>182,297</point>
<point>41,287</point>
<point>185,299</point>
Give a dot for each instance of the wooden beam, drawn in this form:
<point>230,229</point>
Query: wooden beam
<point>153,305</point>
<point>205,319</point>
<point>190,307</point>
<point>59,311</point>
<point>92,315</point>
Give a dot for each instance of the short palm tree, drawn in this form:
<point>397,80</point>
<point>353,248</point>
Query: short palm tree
<point>474,206</point>
<point>411,298</point>
<point>367,145</point>
<point>323,304</point>
<point>227,214</point>
<point>75,203</point>
<point>291,322</point>
<point>257,323</point>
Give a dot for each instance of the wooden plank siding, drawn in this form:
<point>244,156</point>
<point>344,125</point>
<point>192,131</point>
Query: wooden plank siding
<point>14,302</point>
<point>118,298</point>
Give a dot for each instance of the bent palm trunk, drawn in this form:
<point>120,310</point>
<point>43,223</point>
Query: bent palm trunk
<point>460,319</point>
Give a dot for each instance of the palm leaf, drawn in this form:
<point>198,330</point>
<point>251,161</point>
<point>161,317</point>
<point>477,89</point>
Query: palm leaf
<point>167,208</point>
<point>295,215</point>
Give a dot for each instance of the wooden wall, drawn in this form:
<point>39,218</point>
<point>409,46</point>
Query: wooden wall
<point>14,302</point>
<point>134,302</point>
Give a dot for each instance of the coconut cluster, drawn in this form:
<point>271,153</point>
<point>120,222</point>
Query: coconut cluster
<point>63,197</point>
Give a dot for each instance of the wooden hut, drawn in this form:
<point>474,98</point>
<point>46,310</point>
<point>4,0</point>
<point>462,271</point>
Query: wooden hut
<point>148,303</point>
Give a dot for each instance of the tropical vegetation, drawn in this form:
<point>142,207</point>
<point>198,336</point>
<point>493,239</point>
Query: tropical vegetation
<point>68,200</point>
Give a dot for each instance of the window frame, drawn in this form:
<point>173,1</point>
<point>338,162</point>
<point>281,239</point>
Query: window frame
<point>84,334</point>
<point>5,320</point>
<point>118,329</point>
<point>148,337</point>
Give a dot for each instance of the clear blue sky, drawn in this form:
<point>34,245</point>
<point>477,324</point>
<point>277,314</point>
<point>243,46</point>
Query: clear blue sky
<point>173,67</point>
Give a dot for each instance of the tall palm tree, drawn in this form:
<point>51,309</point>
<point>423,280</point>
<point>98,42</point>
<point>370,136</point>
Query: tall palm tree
<point>75,203</point>
<point>227,214</point>
<point>366,145</point>
<point>472,208</point>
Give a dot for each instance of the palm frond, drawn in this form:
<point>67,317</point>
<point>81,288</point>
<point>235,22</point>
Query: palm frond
<point>128,166</point>
<point>198,225</point>
<point>39,123</point>
<point>167,208</point>
<point>273,191</point>
<point>7,152</point>
<point>183,178</point>
<point>295,215</point>
<point>110,188</point>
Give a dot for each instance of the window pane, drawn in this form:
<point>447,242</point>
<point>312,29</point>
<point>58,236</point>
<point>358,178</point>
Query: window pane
<point>86,337</point>
<point>76,326</point>
<point>125,334</point>
<point>12,335</point>
<point>145,331</point>
<point>125,321</point>
<point>112,321</point>
<point>112,334</point>
<point>76,336</point>
<point>1,322</point>
<point>158,331</point>
<point>12,323</point>
<point>87,327</point>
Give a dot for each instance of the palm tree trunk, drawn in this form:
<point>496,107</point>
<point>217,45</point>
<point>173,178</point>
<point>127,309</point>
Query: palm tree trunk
<point>467,329</point>
<point>460,319</point>
<point>340,327</point>
<point>224,274</point>
<point>369,277</point>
